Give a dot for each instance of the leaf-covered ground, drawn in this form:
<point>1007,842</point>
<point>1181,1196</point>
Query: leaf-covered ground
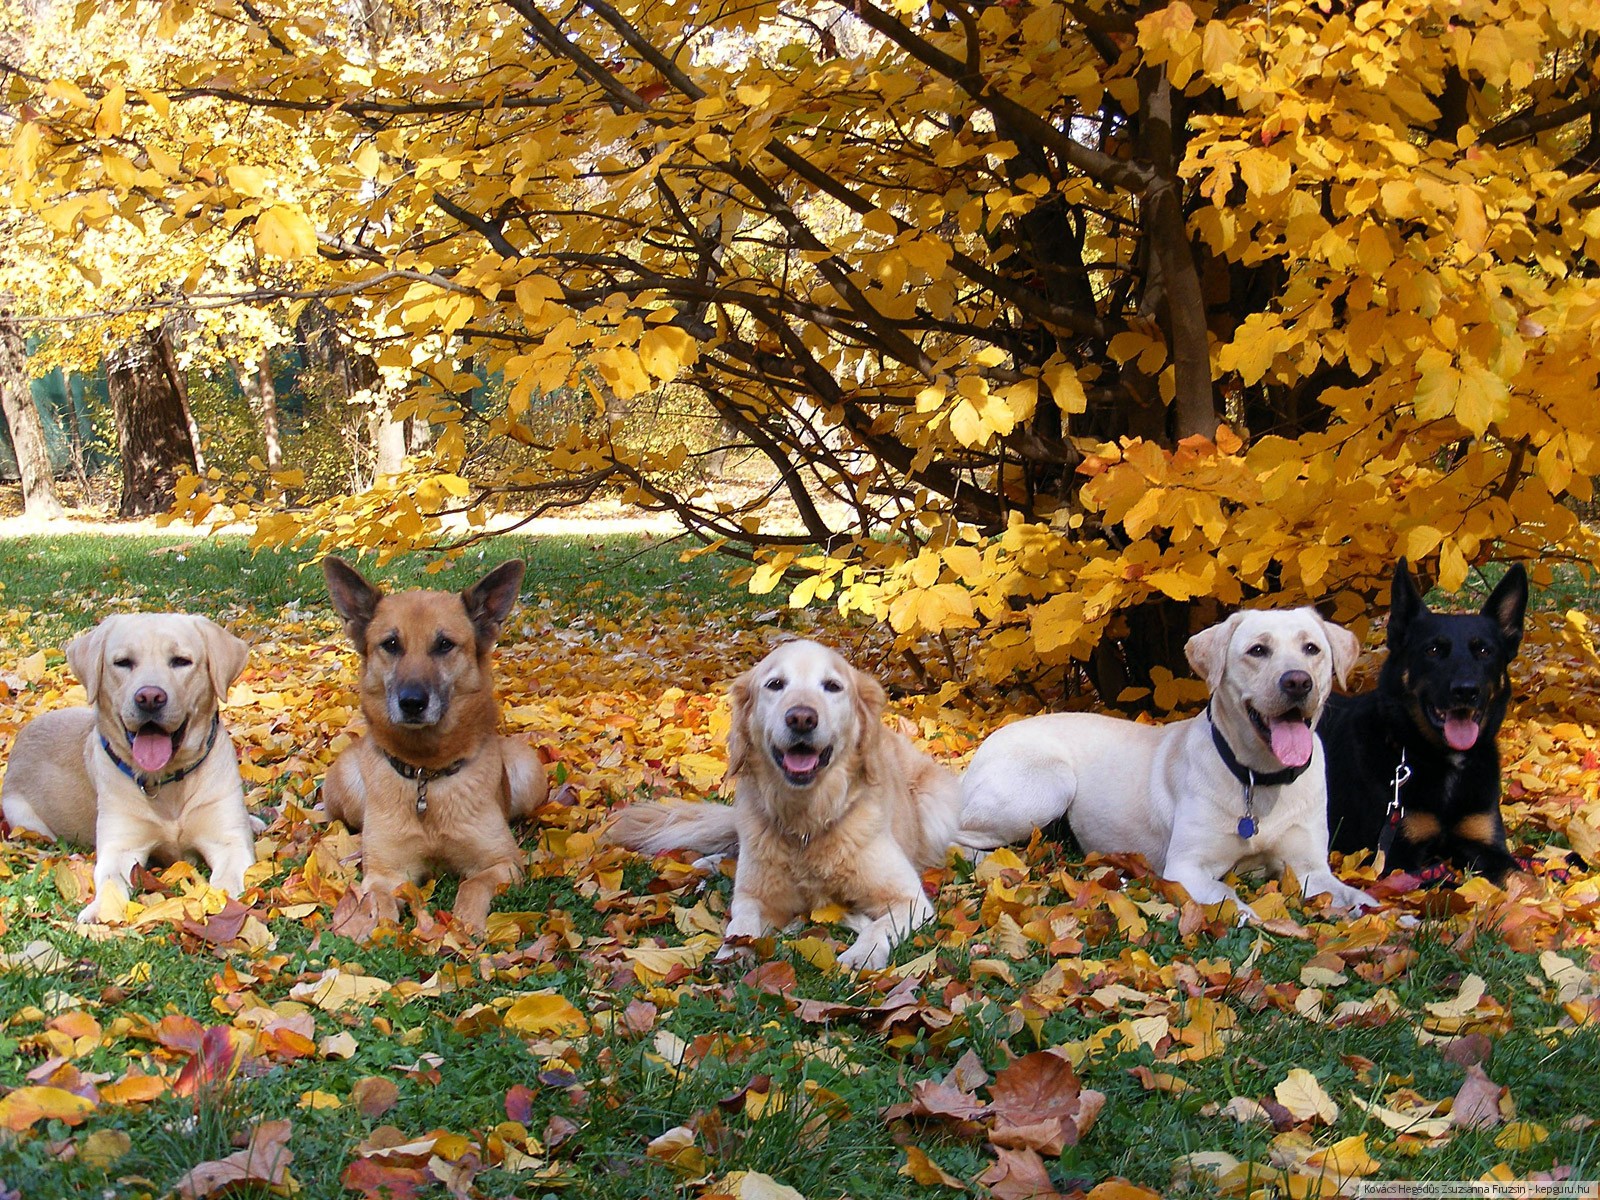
<point>1064,1027</point>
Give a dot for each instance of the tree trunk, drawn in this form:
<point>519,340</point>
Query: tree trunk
<point>27,430</point>
<point>153,434</point>
<point>388,440</point>
<point>168,359</point>
<point>262,397</point>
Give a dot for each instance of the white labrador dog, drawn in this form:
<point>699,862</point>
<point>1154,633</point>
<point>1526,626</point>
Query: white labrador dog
<point>1239,786</point>
<point>146,773</point>
<point>832,806</point>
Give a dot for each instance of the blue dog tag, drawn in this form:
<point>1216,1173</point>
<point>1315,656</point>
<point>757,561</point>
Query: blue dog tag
<point>1247,827</point>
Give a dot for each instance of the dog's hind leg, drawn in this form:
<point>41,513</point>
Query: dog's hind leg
<point>527,782</point>
<point>20,814</point>
<point>1012,788</point>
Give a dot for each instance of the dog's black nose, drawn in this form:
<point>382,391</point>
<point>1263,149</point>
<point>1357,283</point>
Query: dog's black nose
<point>802,718</point>
<point>1465,694</point>
<point>150,699</point>
<point>1296,684</point>
<point>412,701</point>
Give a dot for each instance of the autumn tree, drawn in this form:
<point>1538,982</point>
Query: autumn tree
<point>34,469</point>
<point>153,439</point>
<point>1051,319</point>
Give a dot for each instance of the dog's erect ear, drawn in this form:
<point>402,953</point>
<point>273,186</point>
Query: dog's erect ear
<point>1508,604</point>
<point>86,656</point>
<point>489,601</point>
<point>738,733</point>
<point>1207,651</point>
<point>353,597</point>
<point>1346,648</point>
<point>225,655</point>
<point>1405,605</point>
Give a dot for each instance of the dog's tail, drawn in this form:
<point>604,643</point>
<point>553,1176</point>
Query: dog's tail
<point>666,825</point>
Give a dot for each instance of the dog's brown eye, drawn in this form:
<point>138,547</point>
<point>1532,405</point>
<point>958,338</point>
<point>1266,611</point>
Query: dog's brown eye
<point>390,645</point>
<point>1312,649</point>
<point>1437,650</point>
<point>178,660</point>
<point>775,684</point>
<point>444,645</point>
<point>1480,650</point>
<point>832,685</point>
<point>123,662</point>
<point>1258,651</point>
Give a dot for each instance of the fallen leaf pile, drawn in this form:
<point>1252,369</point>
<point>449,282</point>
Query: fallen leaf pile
<point>1065,1027</point>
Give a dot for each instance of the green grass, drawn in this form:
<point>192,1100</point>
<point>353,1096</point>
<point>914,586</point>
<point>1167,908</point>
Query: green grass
<point>68,583</point>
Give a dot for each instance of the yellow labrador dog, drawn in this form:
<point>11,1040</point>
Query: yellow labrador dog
<point>1239,786</point>
<point>146,773</point>
<point>831,807</point>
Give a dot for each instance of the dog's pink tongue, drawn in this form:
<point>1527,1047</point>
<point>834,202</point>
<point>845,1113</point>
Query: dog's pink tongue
<point>1291,742</point>
<point>152,749</point>
<point>800,762</point>
<point>1461,732</point>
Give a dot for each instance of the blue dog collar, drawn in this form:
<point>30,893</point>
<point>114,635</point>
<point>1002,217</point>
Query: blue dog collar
<point>150,783</point>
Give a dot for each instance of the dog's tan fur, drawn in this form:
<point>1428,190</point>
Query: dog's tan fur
<point>439,645</point>
<point>62,782</point>
<point>859,834</point>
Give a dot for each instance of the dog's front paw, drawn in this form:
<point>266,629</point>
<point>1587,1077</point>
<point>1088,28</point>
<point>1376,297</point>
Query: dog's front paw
<point>1354,899</point>
<point>91,913</point>
<point>868,954</point>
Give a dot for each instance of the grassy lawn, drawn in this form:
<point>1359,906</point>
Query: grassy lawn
<point>590,1047</point>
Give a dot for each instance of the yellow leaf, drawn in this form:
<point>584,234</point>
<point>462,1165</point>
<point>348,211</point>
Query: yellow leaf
<point>1466,1000</point>
<point>1520,1135</point>
<point>316,1099</point>
<point>702,772</point>
<point>1303,1096</point>
<point>336,990</point>
<point>666,349</point>
<point>284,232</point>
<point>1347,1157</point>
<point>546,1013</point>
<point>21,1108</point>
<point>922,1169</point>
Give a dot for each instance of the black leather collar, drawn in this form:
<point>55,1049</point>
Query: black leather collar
<point>423,775</point>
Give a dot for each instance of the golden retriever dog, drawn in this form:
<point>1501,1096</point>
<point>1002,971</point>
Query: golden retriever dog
<point>1240,786</point>
<point>830,807</point>
<point>434,785</point>
<point>146,773</point>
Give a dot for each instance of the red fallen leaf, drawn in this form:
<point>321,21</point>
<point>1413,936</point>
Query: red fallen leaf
<point>1469,1050</point>
<point>557,1130</point>
<point>930,1098</point>
<point>1282,1119</point>
<point>1041,1088</point>
<point>639,1017</point>
<point>181,1033</point>
<point>220,1055</point>
<point>735,1101</point>
<point>1019,1175</point>
<point>374,1095</point>
<point>220,928</point>
<point>355,916</point>
<point>265,1160</point>
<point>774,978</point>
<point>1477,1104</point>
<point>519,1104</point>
<point>382,1181</point>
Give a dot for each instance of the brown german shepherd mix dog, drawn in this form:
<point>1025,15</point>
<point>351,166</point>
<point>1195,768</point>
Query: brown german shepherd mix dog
<point>435,785</point>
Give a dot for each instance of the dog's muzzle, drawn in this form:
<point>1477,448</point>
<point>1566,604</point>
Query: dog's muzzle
<point>1288,734</point>
<point>801,762</point>
<point>414,705</point>
<point>153,747</point>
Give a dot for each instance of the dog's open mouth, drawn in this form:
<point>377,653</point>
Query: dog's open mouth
<point>1460,726</point>
<point>153,747</point>
<point>1288,734</point>
<point>800,763</point>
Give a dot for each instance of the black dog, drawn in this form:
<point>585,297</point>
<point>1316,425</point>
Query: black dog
<point>1413,768</point>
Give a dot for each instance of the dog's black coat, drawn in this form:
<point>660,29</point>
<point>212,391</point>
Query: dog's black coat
<point>1445,674</point>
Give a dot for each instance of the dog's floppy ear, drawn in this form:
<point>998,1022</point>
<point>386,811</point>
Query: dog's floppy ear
<point>353,597</point>
<point>1508,605</point>
<point>225,655</point>
<point>869,700</point>
<point>1405,605</point>
<point>489,601</point>
<point>738,734</point>
<point>86,656</point>
<point>1346,648</point>
<point>1207,651</point>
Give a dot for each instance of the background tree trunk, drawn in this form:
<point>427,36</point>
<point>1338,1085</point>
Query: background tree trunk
<point>27,431</point>
<point>152,428</point>
<point>262,396</point>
